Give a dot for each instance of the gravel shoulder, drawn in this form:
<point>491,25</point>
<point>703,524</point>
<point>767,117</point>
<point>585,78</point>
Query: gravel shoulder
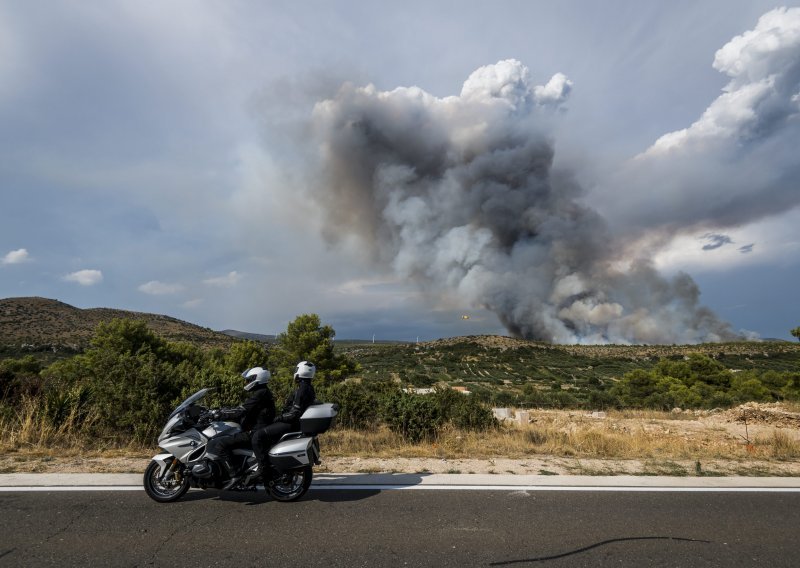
<point>540,465</point>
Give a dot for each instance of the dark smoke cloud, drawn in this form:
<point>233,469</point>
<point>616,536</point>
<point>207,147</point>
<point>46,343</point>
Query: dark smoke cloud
<point>459,194</point>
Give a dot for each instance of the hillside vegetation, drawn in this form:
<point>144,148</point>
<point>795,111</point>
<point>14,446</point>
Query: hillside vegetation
<point>120,389</point>
<point>506,371</point>
<point>118,384</point>
<point>30,325</point>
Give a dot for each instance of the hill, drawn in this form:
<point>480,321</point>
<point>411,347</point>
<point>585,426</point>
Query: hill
<point>42,324</point>
<point>249,336</point>
<point>504,369</point>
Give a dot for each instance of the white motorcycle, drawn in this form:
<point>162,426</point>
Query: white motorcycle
<point>185,464</point>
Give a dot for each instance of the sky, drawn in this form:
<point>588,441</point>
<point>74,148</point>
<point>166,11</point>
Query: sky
<point>577,172</point>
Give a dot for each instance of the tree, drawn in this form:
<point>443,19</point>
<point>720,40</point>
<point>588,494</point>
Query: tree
<point>126,337</point>
<point>796,333</point>
<point>245,355</point>
<point>306,339</point>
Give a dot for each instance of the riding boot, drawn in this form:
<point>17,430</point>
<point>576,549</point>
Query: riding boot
<point>265,471</point>
<point>233,478</point>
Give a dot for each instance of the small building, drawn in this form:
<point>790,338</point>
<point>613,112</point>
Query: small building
<point>413,390</point>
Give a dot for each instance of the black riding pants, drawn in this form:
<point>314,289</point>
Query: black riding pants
<point>267,437</point>
<point>220,448</point>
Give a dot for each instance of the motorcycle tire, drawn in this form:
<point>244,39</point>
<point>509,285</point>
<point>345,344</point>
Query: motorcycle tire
<point>164,492</point>
<point>291,486</point>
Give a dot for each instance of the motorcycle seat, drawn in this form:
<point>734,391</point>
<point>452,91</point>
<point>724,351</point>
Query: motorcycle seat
<point>291,436</point>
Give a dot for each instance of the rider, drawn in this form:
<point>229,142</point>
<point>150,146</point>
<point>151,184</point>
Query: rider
<point>289,420</point>
<point>253,414</point>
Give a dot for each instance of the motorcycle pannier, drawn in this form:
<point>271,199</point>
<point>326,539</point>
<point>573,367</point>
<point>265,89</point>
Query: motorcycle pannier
<point>318,418</point>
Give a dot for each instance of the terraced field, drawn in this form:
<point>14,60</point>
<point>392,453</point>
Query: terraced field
<point>491,364</point>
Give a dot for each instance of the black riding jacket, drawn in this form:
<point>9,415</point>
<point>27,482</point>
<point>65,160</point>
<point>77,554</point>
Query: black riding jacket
<point>297,403</point>
<point>255,412</point>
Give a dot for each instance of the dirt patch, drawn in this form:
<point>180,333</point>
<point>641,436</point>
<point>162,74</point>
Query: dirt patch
<point>760,414</point>
<point>544,465</point>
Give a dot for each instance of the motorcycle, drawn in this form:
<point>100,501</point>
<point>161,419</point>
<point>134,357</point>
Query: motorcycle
<point>185,464</point>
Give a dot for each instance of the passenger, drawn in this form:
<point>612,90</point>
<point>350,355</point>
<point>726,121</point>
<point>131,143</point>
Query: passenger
<point>289,419</point>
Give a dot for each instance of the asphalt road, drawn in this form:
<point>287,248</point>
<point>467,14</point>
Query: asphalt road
<point>401,528</point>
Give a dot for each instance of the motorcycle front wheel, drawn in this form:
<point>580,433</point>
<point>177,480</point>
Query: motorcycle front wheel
<point>291,486</point>
<point>164,490</point>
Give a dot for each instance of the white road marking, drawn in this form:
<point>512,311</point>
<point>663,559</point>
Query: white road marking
<point>71,488</point>
<point>520,488</point>
<point>509,488</point>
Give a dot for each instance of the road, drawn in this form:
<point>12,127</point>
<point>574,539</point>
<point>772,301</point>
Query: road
<point>402,528</point>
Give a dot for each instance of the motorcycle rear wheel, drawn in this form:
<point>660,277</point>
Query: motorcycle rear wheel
<point>164,491</point>
<point>291,486</point>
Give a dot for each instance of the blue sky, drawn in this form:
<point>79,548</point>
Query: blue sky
<point>156,156</point>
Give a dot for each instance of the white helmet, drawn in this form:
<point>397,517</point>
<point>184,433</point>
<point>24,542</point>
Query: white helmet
<point>305,370</point>
<point>255,376</point>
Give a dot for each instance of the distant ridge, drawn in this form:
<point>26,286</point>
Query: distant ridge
<point>250,336</point>
<point>41,322</point>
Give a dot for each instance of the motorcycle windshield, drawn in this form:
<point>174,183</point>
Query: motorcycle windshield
<point>189,401</point>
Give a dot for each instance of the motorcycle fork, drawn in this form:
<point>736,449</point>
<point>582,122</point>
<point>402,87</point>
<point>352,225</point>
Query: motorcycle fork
<point>171,469</point>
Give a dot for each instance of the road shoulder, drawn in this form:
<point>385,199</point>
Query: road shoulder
<point>425,480</point>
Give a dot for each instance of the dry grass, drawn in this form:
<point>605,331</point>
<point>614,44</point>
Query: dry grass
<point>31,429</point>
<point>779,445</point>
<point>565,438</point>
<point>791,405</point>
<point>633,435</point>
<point>646,414</point>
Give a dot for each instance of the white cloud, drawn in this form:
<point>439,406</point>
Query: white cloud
<point>509,81</point>
<point>227,281</point>
<point>734,165</point>
<point>555,92</point>
<point>768,241</point>
<point>762,65</point>
<point>190,304</point>
<point>16,257</point>
<point>156,288</point>
<point>85,277</point>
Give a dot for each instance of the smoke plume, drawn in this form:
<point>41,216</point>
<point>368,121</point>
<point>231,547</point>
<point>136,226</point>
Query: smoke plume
<point>459,194</point>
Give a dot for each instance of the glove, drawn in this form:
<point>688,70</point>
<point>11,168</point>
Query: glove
<point>208,416</point>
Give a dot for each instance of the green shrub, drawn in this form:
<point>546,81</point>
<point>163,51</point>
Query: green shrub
<point>415,417</point>
<point>562,399</point>
<point>463,411</point>
<point>359,405</point>
<point>19,377</point>
<point>70,404</point>
<point>602,399</point>
<point>699,381</point>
